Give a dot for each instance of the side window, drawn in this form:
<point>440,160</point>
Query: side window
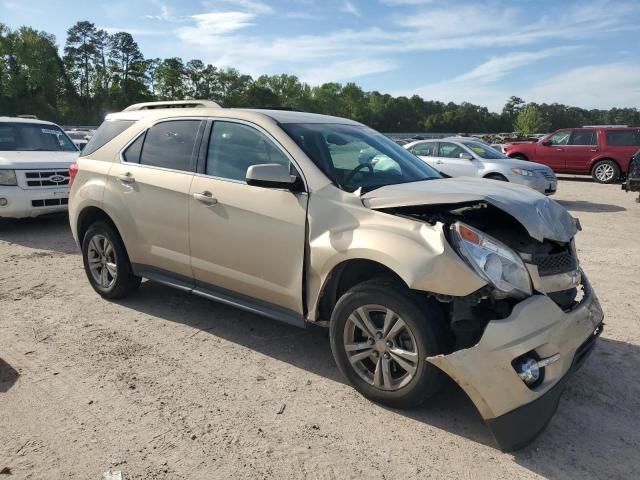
<point>234,147</point>
<point>426,149</point>
<point>450,150</point>
<point>170,145</point>
<point>583,137</point>
<point>623,138</point>
<point>560,138</point>
<point>133,151</point>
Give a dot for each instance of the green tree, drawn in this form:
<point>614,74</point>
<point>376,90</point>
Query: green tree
<point>530,121</point>
<point>80,52</point>
<point>128,67</point>
<point>170,79</point>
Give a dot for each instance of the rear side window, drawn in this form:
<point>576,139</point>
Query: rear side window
<point>109,130</point>
<point>170,145</point>
<point>133,151</point>
<point>626,138</point>
<point>426,149</point>
<point>583,137</point>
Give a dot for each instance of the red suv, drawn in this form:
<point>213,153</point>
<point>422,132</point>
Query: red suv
<point>603,152</point>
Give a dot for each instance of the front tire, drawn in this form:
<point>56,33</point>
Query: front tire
<point>497,176</point>
<point>606,171</point>
<point>106,262</point>
<point>381,334</point>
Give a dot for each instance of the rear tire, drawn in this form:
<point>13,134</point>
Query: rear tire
<point>606,171</point>
<point>106,262</point>
<point>400,331</point>
<point>519,156</point>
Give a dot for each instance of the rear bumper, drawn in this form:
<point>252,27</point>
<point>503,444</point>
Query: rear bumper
<point>23,203</point>
<point>515,413</point>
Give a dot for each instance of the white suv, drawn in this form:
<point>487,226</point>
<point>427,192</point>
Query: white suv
<point>35,157</point>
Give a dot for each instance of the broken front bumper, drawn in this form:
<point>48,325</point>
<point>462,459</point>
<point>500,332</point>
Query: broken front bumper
<point>515,413</point>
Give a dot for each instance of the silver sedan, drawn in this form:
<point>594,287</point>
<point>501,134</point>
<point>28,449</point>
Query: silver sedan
<point>466,157</point>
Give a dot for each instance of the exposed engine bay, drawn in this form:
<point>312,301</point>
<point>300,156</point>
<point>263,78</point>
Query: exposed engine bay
<point>553,265</point>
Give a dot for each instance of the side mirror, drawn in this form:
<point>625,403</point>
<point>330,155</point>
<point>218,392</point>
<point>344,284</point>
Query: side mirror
<point>546,143</point>
<point>270,175</point>
<point>466,156</point>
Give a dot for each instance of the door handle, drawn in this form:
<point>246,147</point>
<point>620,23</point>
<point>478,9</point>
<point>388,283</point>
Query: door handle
<point>438,162</point>
<point>594,149</point>
<point>205,197</point>
<point>560,149</point>
<point>126,177</point>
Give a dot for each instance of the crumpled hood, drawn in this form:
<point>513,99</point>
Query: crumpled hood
<point>36,160</point>
<point>542,217</point>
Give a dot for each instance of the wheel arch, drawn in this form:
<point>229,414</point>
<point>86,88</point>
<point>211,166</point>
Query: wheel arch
<point>90,215</point>
<point>603,158</point>
<point>519,155</point>
<point>346,275</point>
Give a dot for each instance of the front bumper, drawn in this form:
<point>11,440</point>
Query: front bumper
<point>539,183</point>
<point>23,203</point>
<point>514,413</point>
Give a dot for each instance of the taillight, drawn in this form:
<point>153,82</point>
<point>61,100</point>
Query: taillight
<point>73,171</point>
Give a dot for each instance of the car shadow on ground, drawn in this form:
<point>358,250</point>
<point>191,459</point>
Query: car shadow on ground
<point>49,232</point>
<point>584,206</point>
<point>8,376</point>
<point>597,414</point>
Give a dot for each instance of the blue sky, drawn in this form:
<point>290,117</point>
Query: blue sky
<point>583,53</point>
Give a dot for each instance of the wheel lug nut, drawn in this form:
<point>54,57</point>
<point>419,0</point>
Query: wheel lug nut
<point>370,341</point>
<point>379,335</point>
<point>389,344</point>
<point>376,354</point>
<point>387,356</point>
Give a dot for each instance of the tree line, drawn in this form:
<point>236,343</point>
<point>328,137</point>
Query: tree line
<point>101,72</point>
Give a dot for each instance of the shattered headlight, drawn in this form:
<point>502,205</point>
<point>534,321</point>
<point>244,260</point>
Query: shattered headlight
<point>492,260</point>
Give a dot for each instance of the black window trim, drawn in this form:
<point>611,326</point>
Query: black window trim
<point>194,153</point>
<point>607,132</point>
<point>204,150</point>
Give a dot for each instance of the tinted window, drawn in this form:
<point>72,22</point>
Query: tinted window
<point>109,130</point>
<point>133,151</point>
<point>583,137</point>
<point>234,147</point>
<point>170,145</point>
<point>560,138</point>
<point>33,137</point>
<point>450,150</point>
<point>484,151</point>
<point>626,138</point>
<point>426,149</point>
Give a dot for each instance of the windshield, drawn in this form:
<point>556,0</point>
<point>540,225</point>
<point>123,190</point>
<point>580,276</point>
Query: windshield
<point>484,151</point>
<point>34,137</point>
<point>355,156</point>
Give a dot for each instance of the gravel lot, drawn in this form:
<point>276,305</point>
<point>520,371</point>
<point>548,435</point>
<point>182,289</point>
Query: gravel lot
<point>166,385</point>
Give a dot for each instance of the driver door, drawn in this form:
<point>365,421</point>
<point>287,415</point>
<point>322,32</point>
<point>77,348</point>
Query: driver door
<point>555,154</point>
<point>244,239</point>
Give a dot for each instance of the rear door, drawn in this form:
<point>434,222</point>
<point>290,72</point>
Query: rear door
<point>426,151</point>
<point>448,161</point>
<point>582,147</point>
<point>554,155</point>
<point>623,144</point>
<point>151,185</point>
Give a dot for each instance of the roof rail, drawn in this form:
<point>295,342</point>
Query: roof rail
<point>172,104</point>
<point>31,117</point>
<point>606,126</point>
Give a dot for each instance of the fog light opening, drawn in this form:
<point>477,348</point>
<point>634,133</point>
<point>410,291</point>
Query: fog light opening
<point>3,202</point>
<point>528,370</point>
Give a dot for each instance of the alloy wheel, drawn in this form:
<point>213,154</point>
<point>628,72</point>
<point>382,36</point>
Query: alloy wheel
<point>101,257</point>
<point>381,347</point>
<point>604,172</point>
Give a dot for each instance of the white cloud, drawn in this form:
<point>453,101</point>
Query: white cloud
<point>253,6</point>
<point>480,84</point>
<point>349,7</point>
<point>210,25</point>
<point>345,70</point>
<point>405,2</point>
<point>593,86</point>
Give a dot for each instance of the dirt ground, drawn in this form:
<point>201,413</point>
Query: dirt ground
<point>167,385</point>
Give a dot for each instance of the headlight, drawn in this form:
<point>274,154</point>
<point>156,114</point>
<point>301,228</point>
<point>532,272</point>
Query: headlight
<point>492,260</point>
<point>523,172</point>
<point>8,178</point>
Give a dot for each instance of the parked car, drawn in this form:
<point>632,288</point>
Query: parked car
<point>79,137</point>
<point>414,274</point>
<point>602,152</point>
<point>34,167</point>
<point>632,183</point>
<point>466,157</point>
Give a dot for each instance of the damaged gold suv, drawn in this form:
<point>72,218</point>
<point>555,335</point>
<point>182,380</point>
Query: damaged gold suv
<point>311,219</point>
